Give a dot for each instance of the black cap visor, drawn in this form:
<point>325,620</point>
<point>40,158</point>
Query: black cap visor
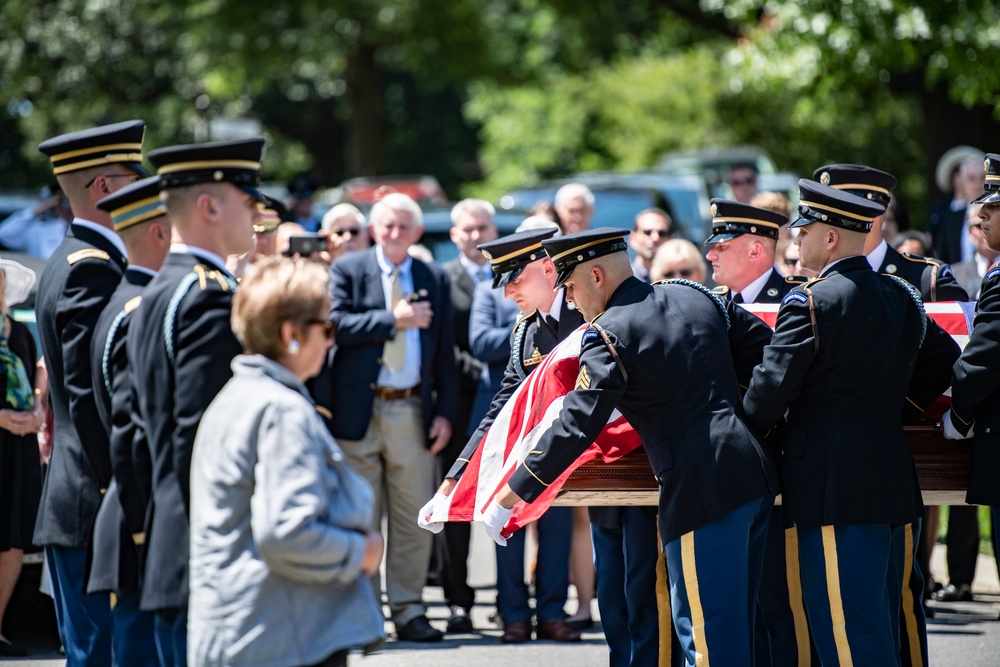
<point>723,236</point>
<point>988,197</point>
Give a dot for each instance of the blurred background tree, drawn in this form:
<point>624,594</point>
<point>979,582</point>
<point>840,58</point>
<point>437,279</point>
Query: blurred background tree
<point>489,95</point>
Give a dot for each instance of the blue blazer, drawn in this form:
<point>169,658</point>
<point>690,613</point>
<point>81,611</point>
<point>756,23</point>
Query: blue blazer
<point>358,309</point>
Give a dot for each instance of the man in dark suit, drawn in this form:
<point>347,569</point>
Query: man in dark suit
<point>393,391</point>
<point>75,287</point>
<point>661,355</point>
<point>970,274</point>
<point>526,275</point>
<point>975,387</point>
<point>139,217</point>
<point>844,344</point>
<point>472,224</point>
<point>180,346</point>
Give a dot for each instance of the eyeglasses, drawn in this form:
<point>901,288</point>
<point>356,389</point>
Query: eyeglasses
<point>662,233</point>
<point>679,273</point>
<point>329,329</point>
<point>133,176</point>
<point>351,231</point>
<point>741,182</point>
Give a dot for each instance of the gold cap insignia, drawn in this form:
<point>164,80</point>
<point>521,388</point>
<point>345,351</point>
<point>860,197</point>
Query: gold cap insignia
<point>217,175</point>
<point>715,210</point>
<point>986,165</point>
<point>753,229</point>
<point>824,178</point>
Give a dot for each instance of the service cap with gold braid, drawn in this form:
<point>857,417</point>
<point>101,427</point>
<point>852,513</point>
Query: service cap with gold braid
<point>119,143</point>
<point>135,203</point>
<point>731,219</point>
<point>859,180</point>
<point>509,255</point>
<point>568,251</point>
<point>991,190</point>
<point>271,214</point>
<point>821,203</point>
<point>235,162</point>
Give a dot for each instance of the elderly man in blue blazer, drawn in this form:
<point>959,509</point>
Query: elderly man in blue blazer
<point>392,391</point>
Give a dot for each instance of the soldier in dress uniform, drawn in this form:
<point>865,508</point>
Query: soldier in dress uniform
<point>661,354</point>
<point>743,244</point>
<point>139,218</point>
<point>845,344</point>
<point>180,347</point>
<point>79,279</point>
<point>521,268</point>
<point>741,250</point>
<point>935,282</point>
<point>975,386</point>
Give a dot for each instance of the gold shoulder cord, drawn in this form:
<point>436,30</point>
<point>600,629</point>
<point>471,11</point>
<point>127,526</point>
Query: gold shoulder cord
<point>812,318</point>
<point>611,348</point>
<point>934,275</point>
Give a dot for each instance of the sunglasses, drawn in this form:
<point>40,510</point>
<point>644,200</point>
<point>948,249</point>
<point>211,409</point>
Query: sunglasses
<point>680,273</point>
<point>742,182</point>
<point>662,233</point>
<point>326,324</point>
<point>347,232</point>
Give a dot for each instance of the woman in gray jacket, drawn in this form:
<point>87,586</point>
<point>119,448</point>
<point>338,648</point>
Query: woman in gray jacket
<point>280,546</point>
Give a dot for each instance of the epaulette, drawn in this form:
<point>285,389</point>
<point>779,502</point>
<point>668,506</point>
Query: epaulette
<point>704,290</point>
<point>915,295</point>
<point>132,304</point>
<point>524,317</point>
<point>721,290</point>
<point>922,260</point>
<point>805,283</point>
<point>812,281</point>
<point>87,253</point>
<point>205,275</point>
<point>796,280</point>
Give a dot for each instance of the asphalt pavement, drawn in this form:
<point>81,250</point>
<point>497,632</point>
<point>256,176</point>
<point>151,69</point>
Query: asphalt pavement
<point>966,634</point>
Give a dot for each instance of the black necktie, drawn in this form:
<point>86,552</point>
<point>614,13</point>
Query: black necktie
<point>738,298</point>
<point>553,324</point>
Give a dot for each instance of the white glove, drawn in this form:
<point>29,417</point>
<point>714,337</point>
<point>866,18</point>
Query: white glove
<point>427,512</point>
<point>494,519</point>
<point>950,432</point>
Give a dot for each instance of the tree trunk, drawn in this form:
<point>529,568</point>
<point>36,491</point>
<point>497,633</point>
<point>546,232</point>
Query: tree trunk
<point>365,119</point>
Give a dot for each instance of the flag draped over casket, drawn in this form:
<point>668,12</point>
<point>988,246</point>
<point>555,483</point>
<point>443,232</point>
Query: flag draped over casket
<point>537,402</point>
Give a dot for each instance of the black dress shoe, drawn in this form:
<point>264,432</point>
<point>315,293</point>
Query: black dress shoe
<point>459,620</point>
<point>953,593</point>
<point>580,623</point>
<point>9,650</point>
<point>419,630</point>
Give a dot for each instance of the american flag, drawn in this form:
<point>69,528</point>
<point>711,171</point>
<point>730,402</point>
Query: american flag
<point>536,404</point>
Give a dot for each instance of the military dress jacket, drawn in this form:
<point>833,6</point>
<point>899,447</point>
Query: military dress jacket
<point>975,394</point>
<point>531,340</point>
<point>180,346</point>
<point>839,364</point>
<point>364,325</point>
<point>114,555</point>
<point>932,278</point>
<point>668,366</point>
<point>75,286</point>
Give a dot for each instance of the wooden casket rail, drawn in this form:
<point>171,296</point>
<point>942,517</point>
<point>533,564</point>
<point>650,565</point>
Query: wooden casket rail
<point>942,467</point>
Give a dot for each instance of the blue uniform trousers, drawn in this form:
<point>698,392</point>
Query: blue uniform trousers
<point>625,560</point>
<point>84,619</point>
<point>912,622</point>
<point>852,587</point>
<point>714,574</point>
<point>551,570</point>
<point>132,636</point>
<point>781,631</point>
<point>170,629</point>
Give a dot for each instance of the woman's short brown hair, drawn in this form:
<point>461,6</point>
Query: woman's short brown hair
<point>274,291</point>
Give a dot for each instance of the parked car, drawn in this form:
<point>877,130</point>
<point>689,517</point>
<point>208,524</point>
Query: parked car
<point>715,163</point>
<point>425,190</point>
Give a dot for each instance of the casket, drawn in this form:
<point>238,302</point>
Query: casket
<point>942,467</point>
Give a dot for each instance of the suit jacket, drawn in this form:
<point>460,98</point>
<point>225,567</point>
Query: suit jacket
<point>530,342</point>
<point>490,321</point>
<point>945,227</point>
<point>114,553</point>
<point>671,374</point>
<point>843,382</point>
<point>364,324</point>
<point>172,397</point>
<point>469,367</point>
<point>967,275</point>
<point>975,394</point>
<point>75,287</point>
<point>932,278</point>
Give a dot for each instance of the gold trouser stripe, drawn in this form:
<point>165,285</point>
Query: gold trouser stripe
<point>694,600</point>
<point>663,610</point>
<point>113,599</point>
<point>833,593</point>
<point>916,654</point>
<point>794,577</point>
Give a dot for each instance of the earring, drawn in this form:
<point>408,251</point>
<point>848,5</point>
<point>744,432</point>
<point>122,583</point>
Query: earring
<point>293,347</point>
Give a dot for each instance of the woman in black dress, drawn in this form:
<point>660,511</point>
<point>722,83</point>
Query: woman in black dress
<point>21,419</point>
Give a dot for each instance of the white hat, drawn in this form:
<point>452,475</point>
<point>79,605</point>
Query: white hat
<point>949,162</point>
<point>19,281</point>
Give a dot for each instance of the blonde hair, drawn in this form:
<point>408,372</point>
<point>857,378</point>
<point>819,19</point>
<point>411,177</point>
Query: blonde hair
<point>773,201</point>
<point>678,250</point>
<point>274,291</point>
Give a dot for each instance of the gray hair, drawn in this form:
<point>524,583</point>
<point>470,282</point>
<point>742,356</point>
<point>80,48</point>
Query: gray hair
<point>396,201</point>
<point>572,191</point>
<point>342,211</point>
<point>472,206</point>
<point>538,222</point>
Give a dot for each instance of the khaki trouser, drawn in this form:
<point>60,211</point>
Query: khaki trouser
<point>393,457</point>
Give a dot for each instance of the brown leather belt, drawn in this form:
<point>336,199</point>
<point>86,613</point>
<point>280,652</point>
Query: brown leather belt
<point>391,394</point>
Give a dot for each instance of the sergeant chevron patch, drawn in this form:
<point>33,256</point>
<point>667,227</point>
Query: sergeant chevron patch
<point>583,379</point>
